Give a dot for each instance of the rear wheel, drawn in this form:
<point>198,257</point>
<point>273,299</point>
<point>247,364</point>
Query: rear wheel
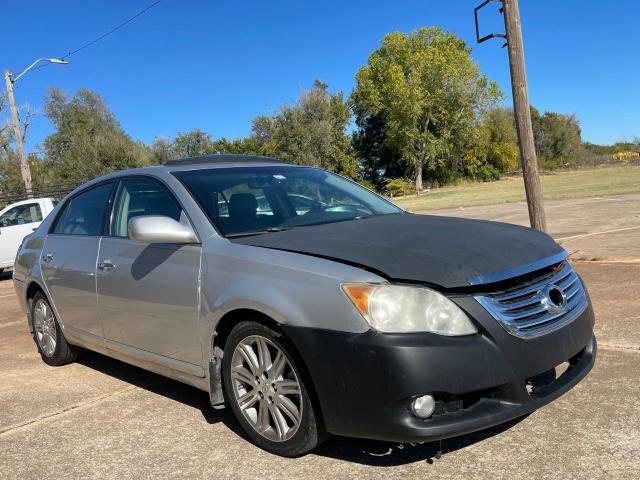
<point>52,346</point>
<point>265,385</point>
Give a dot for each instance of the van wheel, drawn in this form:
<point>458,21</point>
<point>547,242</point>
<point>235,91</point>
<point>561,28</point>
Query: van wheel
<point>52,346</point>
<point>267,389</point>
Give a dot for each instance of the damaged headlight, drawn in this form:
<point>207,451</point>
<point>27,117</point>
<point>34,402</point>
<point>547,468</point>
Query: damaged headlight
<point>402,309</point>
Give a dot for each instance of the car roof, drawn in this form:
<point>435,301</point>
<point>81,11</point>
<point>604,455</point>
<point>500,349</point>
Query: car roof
<point>205,162</point>
<point>23,202</point>
<point>220,158</point>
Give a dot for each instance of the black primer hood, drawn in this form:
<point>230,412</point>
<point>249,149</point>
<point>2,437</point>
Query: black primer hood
<point>445,251</point>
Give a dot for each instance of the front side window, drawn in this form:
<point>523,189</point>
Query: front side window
<point>21,215</point>
<point>249,200</point>
<point>84,214</point>
<point>138,197</point>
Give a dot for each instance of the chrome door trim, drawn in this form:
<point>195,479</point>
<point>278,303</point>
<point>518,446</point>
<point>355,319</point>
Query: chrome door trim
<point>98,344</point>
<point>172,363</point>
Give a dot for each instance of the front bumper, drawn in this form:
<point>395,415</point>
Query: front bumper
<point>365,382</point>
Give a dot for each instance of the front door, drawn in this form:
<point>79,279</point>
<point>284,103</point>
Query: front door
<point>15,224</point>
<point>69,259</point>
<point>148,293</point>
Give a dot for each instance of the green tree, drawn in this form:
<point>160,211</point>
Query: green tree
<point>430,93</point>
<point>501,139</point>
<point>160,150</point>
<point>193,143</point>
<point>197,142</point>
<point>377,159</point>
<point>240,146</point>
<point>557,137</point>
<point>310,132</point>
<point>88,141</point>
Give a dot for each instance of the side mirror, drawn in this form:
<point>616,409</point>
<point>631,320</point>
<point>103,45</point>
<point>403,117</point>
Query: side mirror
<point>160,229</point>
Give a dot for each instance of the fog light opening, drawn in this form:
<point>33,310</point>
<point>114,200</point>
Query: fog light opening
<point>422,407</point>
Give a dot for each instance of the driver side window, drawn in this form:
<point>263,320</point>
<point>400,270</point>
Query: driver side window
<point>140,197</point>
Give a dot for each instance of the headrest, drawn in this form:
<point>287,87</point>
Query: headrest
<point>242,205</point>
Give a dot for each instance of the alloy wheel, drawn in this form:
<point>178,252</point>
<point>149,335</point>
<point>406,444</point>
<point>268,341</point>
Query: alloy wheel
<point>44,324</point>
<point>266,388</point>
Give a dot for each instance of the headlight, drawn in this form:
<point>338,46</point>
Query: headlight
<point>401,309</point>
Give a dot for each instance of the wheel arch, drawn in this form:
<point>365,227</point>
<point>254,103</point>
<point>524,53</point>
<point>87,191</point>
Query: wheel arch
<point>32,288</point>
<point>219,338</point>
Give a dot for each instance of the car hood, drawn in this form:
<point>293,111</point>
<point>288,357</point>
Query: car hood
<point>444,251</point>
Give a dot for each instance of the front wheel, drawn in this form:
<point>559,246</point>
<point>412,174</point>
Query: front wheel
<point>265,385</point>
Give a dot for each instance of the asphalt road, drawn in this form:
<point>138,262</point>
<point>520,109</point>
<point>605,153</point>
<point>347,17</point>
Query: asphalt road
<point>100,418</point>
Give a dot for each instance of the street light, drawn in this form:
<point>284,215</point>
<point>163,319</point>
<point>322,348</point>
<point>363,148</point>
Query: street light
<point>24,166</point>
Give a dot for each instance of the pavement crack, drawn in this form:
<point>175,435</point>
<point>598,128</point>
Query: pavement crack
<point>603,232</point>
<point>62,411</point>
<point>617,346</point>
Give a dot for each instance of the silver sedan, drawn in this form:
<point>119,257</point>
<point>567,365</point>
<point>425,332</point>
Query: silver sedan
<point>348,316</point>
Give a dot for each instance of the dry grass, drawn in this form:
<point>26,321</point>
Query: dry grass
<point>597,182</point>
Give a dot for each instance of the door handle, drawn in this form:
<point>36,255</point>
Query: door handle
<point>47,257</point>
<point>106,265</point>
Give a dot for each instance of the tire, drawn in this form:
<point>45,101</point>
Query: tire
<point>47,334</point>
<point>274,389</point>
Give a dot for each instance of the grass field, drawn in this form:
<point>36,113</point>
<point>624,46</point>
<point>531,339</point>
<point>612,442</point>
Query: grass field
<point>597,182</point>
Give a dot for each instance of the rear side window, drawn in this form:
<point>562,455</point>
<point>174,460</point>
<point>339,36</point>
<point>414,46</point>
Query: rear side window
<point>21,214</point>
<point>138,197</point>
<point>85,213</point>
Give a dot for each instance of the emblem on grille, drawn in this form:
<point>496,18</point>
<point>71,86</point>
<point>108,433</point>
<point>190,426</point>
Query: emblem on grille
<point>554,298</point>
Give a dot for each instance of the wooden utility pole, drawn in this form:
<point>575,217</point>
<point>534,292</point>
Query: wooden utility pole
<point>24,165</point>
<point>523,115</point>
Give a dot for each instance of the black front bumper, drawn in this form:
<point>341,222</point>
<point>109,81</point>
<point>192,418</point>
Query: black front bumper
<point>365,382</point>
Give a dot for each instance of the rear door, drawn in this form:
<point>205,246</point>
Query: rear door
<point>69,258</point>
<point>148,293</point>
<point>15,224</point>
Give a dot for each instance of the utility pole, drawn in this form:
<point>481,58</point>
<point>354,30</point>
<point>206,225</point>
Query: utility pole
<point>528,158</point>
<point>24,165</point>
<point>523,115</point>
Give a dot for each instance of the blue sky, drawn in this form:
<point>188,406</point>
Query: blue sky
<point>215,65</point>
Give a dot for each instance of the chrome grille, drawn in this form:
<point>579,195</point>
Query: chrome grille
<point>529,310</point>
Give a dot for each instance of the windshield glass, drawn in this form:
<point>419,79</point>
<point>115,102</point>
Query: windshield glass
<point>249,200</point>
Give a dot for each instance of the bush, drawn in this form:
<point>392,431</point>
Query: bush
<point>488,173</point>
<point>395,187</point>
<point>368,184</point>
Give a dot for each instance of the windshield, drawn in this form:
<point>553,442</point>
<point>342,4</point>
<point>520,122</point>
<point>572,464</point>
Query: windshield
<point>251,200</point>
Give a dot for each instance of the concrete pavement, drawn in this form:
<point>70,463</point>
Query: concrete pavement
<point>600,228</point>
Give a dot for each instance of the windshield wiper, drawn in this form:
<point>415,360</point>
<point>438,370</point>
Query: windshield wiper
<point>257,232</point>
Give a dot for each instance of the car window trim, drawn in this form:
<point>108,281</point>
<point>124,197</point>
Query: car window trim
<point>162,183</point>
<point>62,212</point>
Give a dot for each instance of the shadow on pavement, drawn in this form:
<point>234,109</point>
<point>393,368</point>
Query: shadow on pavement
<point>154,383</point>
<point>366,452</point>
<point>385,454</point>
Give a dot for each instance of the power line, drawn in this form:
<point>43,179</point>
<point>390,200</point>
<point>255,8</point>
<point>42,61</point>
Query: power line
<point>96,40</point>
